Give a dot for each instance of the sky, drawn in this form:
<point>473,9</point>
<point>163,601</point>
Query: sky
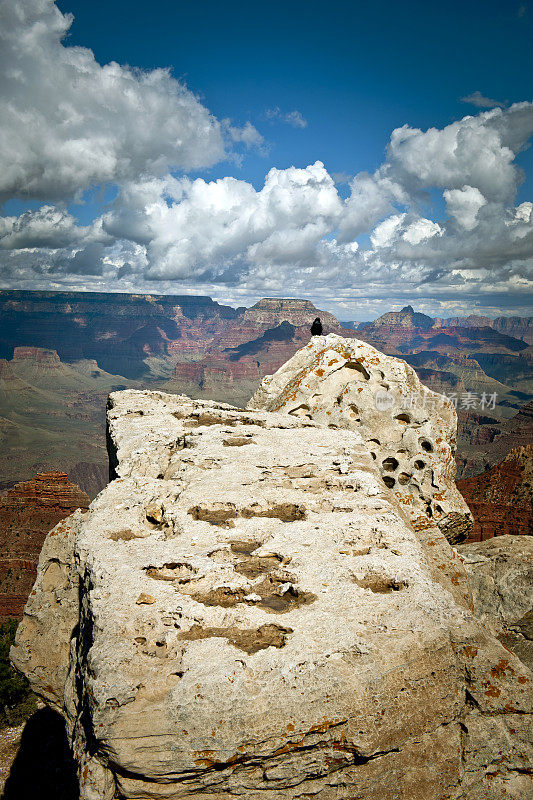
<point>363,156</point>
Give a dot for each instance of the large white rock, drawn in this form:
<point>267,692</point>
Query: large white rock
<point>500,573</point>
<point>410,430</point>
<point>255,618</point>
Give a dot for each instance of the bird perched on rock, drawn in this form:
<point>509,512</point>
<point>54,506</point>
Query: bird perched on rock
<point>316,327</point>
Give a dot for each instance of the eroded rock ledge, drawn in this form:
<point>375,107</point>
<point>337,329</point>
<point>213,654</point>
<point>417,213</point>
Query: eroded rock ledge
<point>247,612</point>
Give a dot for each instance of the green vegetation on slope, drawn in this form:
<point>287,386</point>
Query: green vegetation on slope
<point>17,701</point>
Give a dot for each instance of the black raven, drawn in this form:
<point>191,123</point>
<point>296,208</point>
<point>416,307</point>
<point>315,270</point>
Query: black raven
<point>316,327</point>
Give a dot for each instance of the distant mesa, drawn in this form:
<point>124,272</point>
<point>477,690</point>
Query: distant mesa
<point>274,311</point>
<point>485,441</point>
<point>41,355</point>
<point>27,512</point>
<point>407,317</point>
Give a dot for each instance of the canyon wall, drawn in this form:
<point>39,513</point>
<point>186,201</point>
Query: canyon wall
<point>501,498</point>
<point>28,511</point>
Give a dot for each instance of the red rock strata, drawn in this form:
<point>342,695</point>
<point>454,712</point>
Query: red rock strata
<point>500,499</point>
<point>27,512</point>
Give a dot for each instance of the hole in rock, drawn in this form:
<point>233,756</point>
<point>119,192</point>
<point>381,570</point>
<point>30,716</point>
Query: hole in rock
<point>426,445</point>
<point>251,641</point>
<point>243,547</point>
<point>215,513</point>
<point>286,512</point>
<point>388,481</point>
<point>301,411</point>
<point>381,584</point>
<point>222,596</point>
<point>221,513</point>
<point>419,464</point>
<point>373,455</point>
<point>207,418</point>
<point>438,508</point>
<point>276,596</point>
<point>273,593</point>
<point>210,418</point>
<point>429,510</point>
<point>354,412</point>
<point>252,567</point>
<point>404,478</point>
<point>406,418</point>
<point>390,464</point>
<point>172,571</point>
<point>357,367</point>
<point>375,441</point>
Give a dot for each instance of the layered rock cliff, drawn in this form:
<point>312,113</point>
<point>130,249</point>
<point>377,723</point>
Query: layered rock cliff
<point>246,611</point>
<point>300,313</point>
<point>501,498</point>
<point>28,511</point>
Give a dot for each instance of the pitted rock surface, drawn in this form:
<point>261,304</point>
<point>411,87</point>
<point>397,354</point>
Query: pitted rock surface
<point>255,617</point>
<point>410,430</point>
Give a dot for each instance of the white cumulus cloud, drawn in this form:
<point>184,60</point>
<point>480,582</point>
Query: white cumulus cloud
<point>69,122</point>
<point>464,205</point>
<point>295,235</point>
<point>190,227</point>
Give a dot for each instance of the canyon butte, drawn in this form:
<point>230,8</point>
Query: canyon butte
<point>264,602</point>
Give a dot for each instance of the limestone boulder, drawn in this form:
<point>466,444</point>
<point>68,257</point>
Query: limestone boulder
<point>51,614</point>
<point>500,573</point>
<point>410,431</point>
<point>253,616</point>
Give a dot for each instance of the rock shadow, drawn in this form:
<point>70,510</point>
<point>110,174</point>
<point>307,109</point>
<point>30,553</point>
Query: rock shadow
<point>43,767</point>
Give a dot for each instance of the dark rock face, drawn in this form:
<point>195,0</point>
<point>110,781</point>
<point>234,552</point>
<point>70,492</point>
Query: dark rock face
<point>118,330</point>
<point>486,441</point>
<point>27,512</point>
<point>501,498</point>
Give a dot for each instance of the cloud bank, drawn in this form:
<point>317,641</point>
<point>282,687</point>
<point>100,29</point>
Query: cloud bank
<point>69,123</point>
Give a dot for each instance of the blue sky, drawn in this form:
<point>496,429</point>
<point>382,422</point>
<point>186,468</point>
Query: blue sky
<point>355,70</point>
<point>285,85</point>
